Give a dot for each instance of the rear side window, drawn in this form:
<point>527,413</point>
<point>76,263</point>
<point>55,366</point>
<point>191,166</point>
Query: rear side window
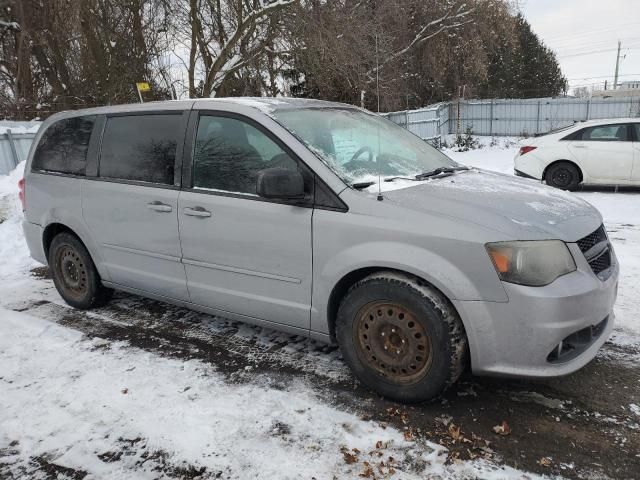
<point>140,148</point>
<point>637,127</point>
<point>603,133</point>
<point>63,146</point>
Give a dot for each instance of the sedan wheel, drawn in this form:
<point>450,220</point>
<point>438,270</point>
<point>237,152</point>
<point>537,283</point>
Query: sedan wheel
<point>563,175</point>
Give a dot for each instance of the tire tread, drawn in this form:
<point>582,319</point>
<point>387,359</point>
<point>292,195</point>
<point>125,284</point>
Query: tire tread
<point>458,342</point>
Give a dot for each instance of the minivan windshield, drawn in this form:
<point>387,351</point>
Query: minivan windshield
<point>359,146</point>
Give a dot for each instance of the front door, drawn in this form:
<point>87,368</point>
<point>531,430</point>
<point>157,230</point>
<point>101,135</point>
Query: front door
<point>604,152</point>
<point>243,254</point>
<point>131,206</point>
<point>635,172</point>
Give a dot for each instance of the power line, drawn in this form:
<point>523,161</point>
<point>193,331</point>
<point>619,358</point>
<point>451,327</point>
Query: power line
<point>605,76</point>
<point>594,31</point>
<point>633,41</point>
<point>593,52</point>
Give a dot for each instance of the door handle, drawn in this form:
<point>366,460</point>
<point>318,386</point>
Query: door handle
<point>159,207</point>
<point>197,212</point>
<point>580,146</point>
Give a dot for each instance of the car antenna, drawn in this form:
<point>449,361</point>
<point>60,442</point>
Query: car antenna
<point>380,197</point>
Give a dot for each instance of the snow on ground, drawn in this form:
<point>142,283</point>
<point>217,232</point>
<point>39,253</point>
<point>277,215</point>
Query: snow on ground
<point>78,401</point>
<point>110,410</point>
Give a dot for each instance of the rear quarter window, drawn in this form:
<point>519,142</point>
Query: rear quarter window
<point>63,146</point>
<point>140,148</point>
<point>616,132</point>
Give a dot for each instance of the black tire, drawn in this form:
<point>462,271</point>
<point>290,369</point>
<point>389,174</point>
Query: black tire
<point>74,273</point>
<point>563,175</point>
<point>430,342</point>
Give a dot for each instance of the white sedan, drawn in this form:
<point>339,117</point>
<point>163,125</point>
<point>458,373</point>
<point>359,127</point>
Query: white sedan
<point>597,152</point>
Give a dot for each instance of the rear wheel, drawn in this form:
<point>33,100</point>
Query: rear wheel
<point>74,273</point>
<point>563,175</point>
<point>400,338</point>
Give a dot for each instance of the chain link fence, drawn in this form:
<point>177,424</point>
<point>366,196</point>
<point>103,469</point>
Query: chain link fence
<point>510,117</point>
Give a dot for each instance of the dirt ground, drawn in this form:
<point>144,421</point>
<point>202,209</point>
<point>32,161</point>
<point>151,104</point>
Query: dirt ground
<point>578,426</point>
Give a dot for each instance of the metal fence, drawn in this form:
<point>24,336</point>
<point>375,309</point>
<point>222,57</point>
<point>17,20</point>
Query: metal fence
<point>510,117</point>
<point>14,148</point>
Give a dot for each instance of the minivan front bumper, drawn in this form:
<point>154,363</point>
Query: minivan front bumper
<point>542,331</point>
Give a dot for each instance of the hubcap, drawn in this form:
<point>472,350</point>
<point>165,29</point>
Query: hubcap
<point>390,341</point>
<point>73,274</point>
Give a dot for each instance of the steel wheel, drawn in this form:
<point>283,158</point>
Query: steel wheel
<point>73,272</point>
<point>392,342</point>
<point>562,177</point>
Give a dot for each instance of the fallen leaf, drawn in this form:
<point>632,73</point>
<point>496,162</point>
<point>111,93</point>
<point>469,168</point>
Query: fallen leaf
<point>379,444</point>
<point>408,435</point>
<point>349,458</point>
<point>124,391</point>
<point>545,462</point>
<point>367,472</point>
<point>454,432</point>
<point>503,428</point>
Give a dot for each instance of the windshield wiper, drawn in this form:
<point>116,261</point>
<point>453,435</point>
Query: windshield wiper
<point>440,171</point>
<point>421,176</point>
<point>362,185</point>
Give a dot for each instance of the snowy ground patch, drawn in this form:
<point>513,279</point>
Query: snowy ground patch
<point>112,411</point>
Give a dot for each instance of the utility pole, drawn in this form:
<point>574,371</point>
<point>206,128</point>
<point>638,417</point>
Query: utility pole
<point>615,79</point>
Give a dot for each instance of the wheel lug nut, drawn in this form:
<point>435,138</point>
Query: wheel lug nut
<point>393,330</point>
<point>403,341</point>
<point>398,352</point>
<point>382,334</point>
<point>386,348</point>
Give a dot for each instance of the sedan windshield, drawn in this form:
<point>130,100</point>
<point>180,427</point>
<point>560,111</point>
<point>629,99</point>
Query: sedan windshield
<point>359,146</point>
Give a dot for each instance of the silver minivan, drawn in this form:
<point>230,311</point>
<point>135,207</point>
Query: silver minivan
<point>325,220</point>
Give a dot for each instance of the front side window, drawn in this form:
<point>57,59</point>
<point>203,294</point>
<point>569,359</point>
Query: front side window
<point>140,148</point>
<point>605,133</point>
<point>229,154</point>
<point>359,146</point>
<point>63,146</point>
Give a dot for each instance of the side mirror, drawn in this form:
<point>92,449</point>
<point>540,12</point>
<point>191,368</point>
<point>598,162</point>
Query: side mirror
<point>280,183</point>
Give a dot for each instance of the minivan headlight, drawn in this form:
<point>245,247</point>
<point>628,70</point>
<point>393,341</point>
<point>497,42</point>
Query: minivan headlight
<point>531,263</point>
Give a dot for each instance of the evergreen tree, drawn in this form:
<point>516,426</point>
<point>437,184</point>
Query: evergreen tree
<point>525,68</point>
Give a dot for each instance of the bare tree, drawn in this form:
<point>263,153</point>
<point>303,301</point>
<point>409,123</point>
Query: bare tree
<point>224,36</point>
<point>63,54</point>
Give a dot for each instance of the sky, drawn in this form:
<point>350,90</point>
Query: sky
<point>584,35</point>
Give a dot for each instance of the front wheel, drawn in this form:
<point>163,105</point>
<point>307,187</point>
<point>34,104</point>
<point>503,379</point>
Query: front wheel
<point>563,175</point>
<point>400,338</point>
<point>74,273</point>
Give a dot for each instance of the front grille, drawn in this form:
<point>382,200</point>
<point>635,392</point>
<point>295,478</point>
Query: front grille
<point>601,263</point>
<point>597,250</point>
<point>592,239</point>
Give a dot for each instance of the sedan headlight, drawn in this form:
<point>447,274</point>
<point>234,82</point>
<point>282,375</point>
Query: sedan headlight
<point>533,263</point>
